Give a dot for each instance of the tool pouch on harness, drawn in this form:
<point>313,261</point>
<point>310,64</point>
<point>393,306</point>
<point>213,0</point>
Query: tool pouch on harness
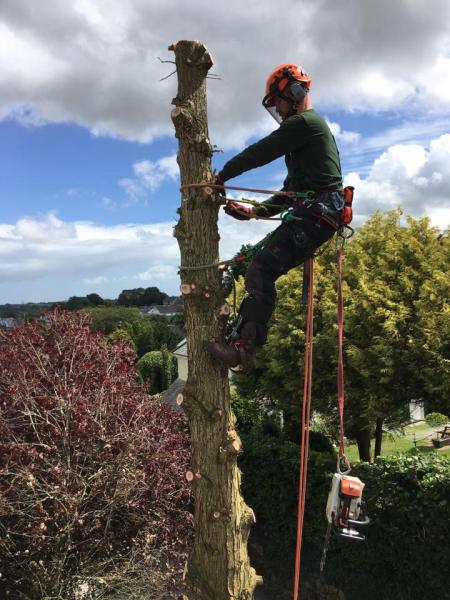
<point>347,210</point>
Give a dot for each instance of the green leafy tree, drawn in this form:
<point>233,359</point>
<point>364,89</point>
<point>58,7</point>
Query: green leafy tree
<point>435,419</point>
<point>95,299</point>
<point>141,297</point>
<point>158,368</point>
<point>146,332</point>
<point>121,335</point>
<point>392,346</point>
<point>142,333</point>
<point>77,302</point>
<point>165,332</point>
<point>106,319</point>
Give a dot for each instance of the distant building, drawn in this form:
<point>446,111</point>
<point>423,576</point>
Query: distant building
<point>170,395</point>
<point>8,323</point>
<point>416,410</point>
<point>180,354</point>
<point>162,310</point>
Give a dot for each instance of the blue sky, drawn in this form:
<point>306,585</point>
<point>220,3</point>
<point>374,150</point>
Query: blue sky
<point>89,180</point>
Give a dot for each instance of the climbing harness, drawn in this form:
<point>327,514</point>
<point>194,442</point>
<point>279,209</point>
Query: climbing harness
<point>309,199</point>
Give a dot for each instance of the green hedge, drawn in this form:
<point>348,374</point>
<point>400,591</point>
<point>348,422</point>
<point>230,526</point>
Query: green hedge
<point>407,551</point>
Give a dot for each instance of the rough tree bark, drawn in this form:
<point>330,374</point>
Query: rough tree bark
<point>218,567</point>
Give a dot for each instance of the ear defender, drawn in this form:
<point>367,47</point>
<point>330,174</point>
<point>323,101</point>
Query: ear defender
<point>296,88</point>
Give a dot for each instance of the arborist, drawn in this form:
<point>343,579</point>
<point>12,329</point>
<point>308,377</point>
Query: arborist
<point>315,213</point>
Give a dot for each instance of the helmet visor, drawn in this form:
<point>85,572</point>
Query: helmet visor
<point>269,104</point>
<point>273,113</point>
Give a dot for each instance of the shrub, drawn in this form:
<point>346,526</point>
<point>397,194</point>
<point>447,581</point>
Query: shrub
<point>270,470</point>
<point>91,469</point>
<point>435,419</point>
<point>406,554</point>
<point>158,369</point>
<point>246,411</point>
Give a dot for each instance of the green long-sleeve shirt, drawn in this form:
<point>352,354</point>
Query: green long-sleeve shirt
<point>310,151</point>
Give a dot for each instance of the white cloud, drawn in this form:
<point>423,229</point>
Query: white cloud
<point>159,271</point>
<point>48,259</point>
<point>149,175</point>
<point>108,203</point>
<point>399,163</point>
<point>96,63</point>
<point>346,137</point>
<point>100,280</point>
<point>407,175</point>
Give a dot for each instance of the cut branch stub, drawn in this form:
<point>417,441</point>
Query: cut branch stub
<point>248,517</point>
<point>208,192</point>
<point>224,310</point>
<point>187,288</point>
<point>181,117</point>
<point>235,446</point>
<point>179,399</point>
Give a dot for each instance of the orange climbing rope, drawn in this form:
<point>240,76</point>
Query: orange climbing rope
<point>306,406</point>
<point>340,377</point>
<point>306,410</point>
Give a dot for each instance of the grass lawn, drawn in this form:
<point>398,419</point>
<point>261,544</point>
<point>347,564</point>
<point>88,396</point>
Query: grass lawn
<point>413,436</point>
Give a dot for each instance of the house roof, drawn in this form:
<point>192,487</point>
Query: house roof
<point>166,309</point>
<point>181,349</point>
<point>8,322</point>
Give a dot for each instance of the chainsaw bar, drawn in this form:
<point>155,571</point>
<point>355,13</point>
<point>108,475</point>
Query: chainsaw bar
<point>326,545</point>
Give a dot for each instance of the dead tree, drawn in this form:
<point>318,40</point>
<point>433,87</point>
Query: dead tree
<point>218,567</point>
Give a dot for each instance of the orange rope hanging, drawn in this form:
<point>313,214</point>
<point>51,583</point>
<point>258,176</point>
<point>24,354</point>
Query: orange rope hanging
<point>340,378</point>
<point>306,410</point>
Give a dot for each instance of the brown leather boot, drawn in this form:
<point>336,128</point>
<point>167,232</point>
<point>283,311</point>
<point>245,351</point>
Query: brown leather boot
<point>240,353</point>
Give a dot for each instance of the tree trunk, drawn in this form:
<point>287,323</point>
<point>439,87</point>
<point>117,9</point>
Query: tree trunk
<point>378,436</point>
<point>218,567</point>
<point>363,441</point>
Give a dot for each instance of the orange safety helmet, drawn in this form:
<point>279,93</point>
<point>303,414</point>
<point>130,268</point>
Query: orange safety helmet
<point>287,81</point>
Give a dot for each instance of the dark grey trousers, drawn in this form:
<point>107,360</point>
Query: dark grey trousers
<point>291,244</point>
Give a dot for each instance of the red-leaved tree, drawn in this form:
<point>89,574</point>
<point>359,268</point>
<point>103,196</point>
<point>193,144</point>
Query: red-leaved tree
<point>91,468</point>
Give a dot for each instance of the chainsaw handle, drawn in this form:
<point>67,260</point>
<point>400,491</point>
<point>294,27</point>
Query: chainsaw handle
<point>343,465</point>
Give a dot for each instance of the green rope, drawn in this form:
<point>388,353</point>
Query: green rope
<point>309,197</point>
<point>287,216</point>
